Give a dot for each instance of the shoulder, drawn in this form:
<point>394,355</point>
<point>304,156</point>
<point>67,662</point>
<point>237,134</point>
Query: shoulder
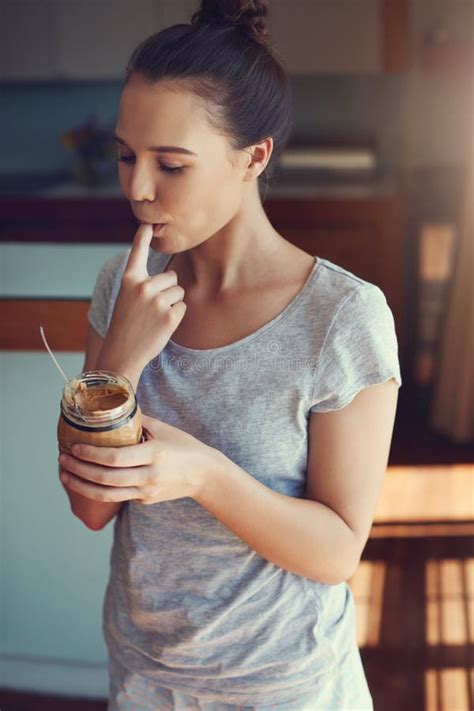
<point>339,294</point>
<point>358,342</point>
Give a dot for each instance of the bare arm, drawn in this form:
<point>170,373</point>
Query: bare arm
<point>147,310</point>
<point>322,536</point>
<point>94,514</point>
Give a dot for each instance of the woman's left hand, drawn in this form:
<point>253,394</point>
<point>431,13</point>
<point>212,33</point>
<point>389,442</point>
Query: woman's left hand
<point>169,465</point>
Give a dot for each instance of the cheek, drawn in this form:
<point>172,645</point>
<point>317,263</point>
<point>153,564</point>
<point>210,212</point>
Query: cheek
<point>211,202</point>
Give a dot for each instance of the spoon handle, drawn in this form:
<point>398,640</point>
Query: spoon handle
<point>52,356</point>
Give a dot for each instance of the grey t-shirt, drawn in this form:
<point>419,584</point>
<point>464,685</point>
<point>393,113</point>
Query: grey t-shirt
<point>188,603</point>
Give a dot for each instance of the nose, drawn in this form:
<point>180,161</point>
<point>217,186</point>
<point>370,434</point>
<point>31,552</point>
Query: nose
<point>142,184</point>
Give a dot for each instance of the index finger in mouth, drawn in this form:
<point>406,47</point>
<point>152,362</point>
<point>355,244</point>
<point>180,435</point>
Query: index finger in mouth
<point>138,257</point>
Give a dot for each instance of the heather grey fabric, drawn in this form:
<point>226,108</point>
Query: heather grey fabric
<point>188,604</point>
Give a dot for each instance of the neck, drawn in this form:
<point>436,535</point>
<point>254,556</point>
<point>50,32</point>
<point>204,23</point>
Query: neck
<point>234,259</point>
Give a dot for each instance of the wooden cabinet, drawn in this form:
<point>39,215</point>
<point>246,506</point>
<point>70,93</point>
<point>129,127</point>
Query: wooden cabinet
<point>363,235</point>
<point>93,39</point>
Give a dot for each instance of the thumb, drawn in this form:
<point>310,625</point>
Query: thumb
<point>158,428</point>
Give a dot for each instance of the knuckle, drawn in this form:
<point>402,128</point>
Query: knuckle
<point>127,278</point>
<point>71,482</point>
<point>112,459</point>
<point>170,317</point>
<point>160,301</point>
<point>151,484</point>
<point>178,311</point>
<point>149,494</point>
<point>102,494</point>
<point>73,464</point>
<point>145,288</point>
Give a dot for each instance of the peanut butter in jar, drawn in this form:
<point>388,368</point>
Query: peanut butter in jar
<point>99,407</point>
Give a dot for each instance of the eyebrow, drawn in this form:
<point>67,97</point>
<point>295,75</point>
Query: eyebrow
<point>158,149</point>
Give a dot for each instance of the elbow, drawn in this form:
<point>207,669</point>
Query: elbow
<point>335,575</point>
<point>91,525</point>
<point>352,565</point>
<point>353,556</point>
<point>350,572</point>
<point>337,579</point>
<point>343,568</point>
<point>341,576</point>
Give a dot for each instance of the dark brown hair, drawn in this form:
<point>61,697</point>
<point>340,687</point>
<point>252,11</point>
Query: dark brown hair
<point>223,56</point>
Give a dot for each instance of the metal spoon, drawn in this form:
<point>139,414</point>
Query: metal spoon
<point>78,411</point>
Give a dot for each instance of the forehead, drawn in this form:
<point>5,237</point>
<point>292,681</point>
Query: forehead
<point>151,114</point>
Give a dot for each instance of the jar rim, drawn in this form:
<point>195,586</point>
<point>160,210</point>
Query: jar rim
<point>99,377</point>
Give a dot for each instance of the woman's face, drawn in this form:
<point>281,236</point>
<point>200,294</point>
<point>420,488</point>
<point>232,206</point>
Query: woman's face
<point>196,192</point>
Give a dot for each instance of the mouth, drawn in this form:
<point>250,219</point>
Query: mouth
<point>157,226</point>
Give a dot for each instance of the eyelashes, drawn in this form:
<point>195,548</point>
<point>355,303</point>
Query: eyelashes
<point>164,168</point>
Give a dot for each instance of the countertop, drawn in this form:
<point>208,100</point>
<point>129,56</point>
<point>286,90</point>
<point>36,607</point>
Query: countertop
<point>294,184</point>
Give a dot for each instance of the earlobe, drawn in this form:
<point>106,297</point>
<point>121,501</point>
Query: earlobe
<point>253,172</point>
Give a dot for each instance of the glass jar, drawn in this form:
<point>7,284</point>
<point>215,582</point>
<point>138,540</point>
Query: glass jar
<point>99,407</point>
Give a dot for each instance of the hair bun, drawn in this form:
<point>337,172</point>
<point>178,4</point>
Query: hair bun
<point>249,15</point>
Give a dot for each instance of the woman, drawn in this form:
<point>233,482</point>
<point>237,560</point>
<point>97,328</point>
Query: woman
<point>269,412</point>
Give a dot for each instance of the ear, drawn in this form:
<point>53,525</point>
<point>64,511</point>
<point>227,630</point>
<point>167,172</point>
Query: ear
<point>257,158</point>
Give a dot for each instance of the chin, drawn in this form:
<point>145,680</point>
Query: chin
<point>156,244</point>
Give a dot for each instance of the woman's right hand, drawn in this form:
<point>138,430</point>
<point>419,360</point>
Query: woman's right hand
<point>147,311</point>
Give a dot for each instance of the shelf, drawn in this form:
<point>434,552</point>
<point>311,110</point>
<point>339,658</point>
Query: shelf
<point>449,58</point>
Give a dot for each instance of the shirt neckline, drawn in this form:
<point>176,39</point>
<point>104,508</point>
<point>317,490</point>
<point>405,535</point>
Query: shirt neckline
<point>266,326</point>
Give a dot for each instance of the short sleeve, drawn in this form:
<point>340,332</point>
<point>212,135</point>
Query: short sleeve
<point>99,314</point>
<point>360,349</point>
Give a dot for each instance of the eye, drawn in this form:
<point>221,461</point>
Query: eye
<point>164,168</point>
<point>171,169</point>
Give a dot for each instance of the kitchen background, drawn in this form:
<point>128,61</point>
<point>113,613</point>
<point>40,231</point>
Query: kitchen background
<point>375,178</point>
